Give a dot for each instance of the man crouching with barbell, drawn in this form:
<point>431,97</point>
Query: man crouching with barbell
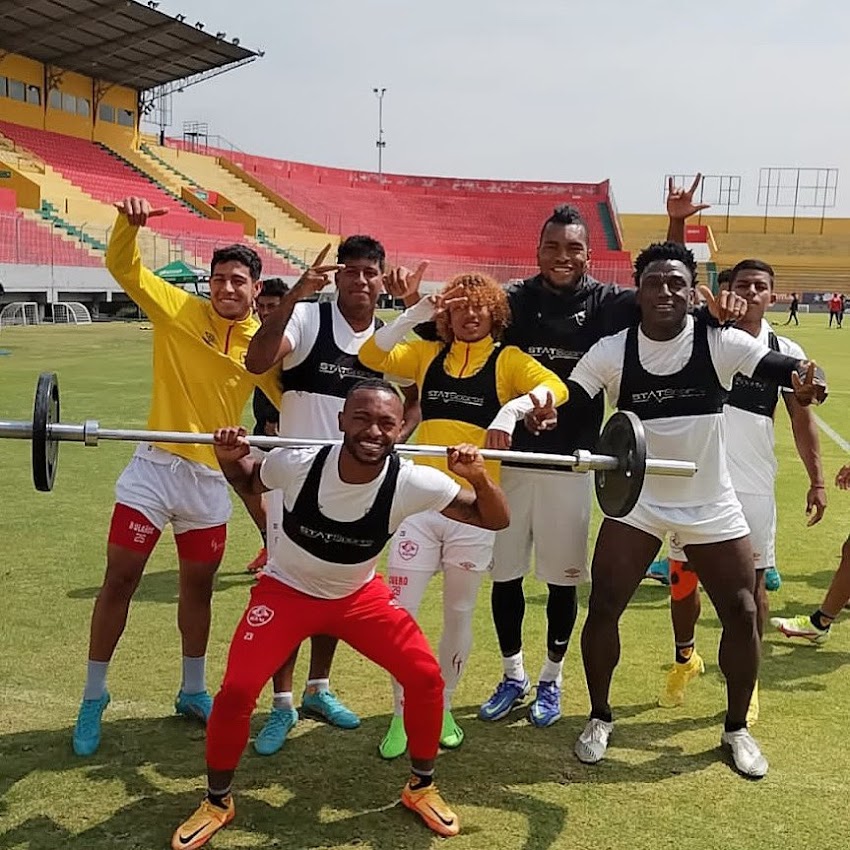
<point>674,373</point>
<point>199,381</point>
<point>341,504</point>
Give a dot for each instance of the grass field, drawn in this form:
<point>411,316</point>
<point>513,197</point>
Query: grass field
<point>665,783</point>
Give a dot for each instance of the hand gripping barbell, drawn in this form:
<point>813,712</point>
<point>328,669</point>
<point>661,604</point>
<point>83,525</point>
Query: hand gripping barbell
<point>620,465</point>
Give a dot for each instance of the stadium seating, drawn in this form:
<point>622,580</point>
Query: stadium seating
<point>105,178</point>
<point>456,223</point>
<point>23,240</point>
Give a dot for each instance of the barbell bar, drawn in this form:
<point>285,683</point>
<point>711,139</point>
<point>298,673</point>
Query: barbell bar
<point>620,466</point>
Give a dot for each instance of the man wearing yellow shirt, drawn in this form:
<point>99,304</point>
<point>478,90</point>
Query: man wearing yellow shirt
<point>199,382</point>
<point>473,390</point>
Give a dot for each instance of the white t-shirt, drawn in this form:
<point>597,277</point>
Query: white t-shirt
<point>749,445</point>
<point>306,414</point>
<point>700,439</point>
<point>418,488</point>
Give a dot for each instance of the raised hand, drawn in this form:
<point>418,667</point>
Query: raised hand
<point>465,460</point>
<point>497,439</point>
<point>315,279</point>
<point>541,417</point>
<point>231,444</point>
<point>726,306</point>
<point>810,389</point>
<point>138,210</point>
<point>680,201</point>
<point>402,283</point>
<point>449,300</point>
<point>842,479</point>
<point>815,505</point>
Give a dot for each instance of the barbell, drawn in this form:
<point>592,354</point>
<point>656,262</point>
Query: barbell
<point>620,465</point>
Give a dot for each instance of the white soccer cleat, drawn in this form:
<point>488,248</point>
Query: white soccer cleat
<point>593,742</point>
<point>746,754</point>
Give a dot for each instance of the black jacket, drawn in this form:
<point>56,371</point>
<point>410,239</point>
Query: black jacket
<point>557,328</point>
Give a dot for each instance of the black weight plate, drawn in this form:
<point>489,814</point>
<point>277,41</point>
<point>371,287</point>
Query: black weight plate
<point>618,490</point>
<point>45,451</point>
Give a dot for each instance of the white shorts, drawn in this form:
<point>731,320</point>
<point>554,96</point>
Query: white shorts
<point>551,512</point>
<point>690,526</point>
<point>760,514</point>
<point>429,541</point>
<point>167,488</point>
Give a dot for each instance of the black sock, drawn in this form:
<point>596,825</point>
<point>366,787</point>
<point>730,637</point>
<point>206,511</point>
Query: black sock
<point>821,621</point>
<point>734,727</point>
<point>217,798</point>
<point>421,778</point>
<point>508,605</point>
<point>561,613</point>
<point>602,714</point>
<point>684,652</point>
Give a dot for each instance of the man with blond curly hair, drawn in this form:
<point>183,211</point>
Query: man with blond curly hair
<point>472,389</point>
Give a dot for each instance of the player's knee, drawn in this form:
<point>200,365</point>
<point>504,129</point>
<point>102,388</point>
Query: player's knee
<point>845,553</point>
<point>604,604</point>
<point>741,608</point>
<point>237,697</point>
<point>425,678</point>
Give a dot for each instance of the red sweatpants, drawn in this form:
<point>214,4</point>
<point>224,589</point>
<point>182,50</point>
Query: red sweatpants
<point>280,618</point>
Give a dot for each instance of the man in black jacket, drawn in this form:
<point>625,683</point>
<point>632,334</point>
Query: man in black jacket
<point>557,316</point>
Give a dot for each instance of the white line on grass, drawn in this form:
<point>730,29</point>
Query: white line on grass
<point>833,435</point>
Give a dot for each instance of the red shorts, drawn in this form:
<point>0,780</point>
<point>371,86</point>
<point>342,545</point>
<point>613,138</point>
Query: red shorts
<point>131,529</point>
<point>280,618</point>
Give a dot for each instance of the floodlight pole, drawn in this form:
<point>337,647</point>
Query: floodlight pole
<point>380,143</point>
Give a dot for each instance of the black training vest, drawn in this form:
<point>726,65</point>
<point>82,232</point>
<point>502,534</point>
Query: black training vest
<point>340,542</point>
<point>694,391</point>
<point>473,400</point>
<point>756,395</point>
<point>327,369</point>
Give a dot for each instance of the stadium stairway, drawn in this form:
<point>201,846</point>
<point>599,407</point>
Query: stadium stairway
<point>282,233</point>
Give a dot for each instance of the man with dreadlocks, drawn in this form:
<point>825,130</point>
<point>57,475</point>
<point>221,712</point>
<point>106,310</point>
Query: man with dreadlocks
<point>674,373</point>
<point>474,390</point>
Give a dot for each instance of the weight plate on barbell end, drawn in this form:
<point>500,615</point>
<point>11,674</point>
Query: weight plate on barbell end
<point>624,438</point>
<point>45,451</point>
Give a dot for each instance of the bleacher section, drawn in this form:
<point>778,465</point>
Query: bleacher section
<point>456,223</point>
<point>804,260</point>
<point>79,180</point>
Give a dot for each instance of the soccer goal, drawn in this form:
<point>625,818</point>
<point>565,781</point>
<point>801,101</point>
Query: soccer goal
<point>70,313</point>
<point>20,313</point>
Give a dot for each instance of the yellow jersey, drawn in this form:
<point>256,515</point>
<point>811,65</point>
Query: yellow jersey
<point>515,374</point>
<point>199,378</point>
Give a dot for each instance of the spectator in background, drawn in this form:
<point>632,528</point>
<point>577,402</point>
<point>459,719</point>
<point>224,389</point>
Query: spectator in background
<point>265,415</point>
<point>836,309</point>
<point>792,310</point>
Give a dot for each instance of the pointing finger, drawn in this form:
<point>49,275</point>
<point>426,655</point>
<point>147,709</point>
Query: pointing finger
<point>695,184</point>
<point>320,257</point>
<point>707,294</point>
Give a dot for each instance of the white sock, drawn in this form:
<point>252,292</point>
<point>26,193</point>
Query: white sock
<point>513,667</point>
<point>282,699</point>
<point>551,671</point>
<point>95,679</point>
<point>398,699</point>
<point>319,684</point>
<point>194,674</point>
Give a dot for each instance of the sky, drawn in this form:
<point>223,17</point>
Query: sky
<point>557,90</point>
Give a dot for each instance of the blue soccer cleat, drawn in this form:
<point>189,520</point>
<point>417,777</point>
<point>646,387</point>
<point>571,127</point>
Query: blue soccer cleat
<point>87,728</point>
<point>772,579</point>
<point>323,705</point>
<point>194,706</point>
<point>508,693</point>
<point>546,708</point>
<point>660,571</point>
<point>273,735</point>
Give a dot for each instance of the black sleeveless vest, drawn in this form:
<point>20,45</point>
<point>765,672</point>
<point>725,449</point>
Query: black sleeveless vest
<point>694,391</point>
<point>756,395</point>
<point>340,542</point>
<point>473,400</point>
<point>327,369</point>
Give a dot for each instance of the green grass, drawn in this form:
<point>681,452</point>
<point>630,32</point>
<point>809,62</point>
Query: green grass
<point>664,784</point>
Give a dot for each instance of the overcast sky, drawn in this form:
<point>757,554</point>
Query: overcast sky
<point>538,89</point>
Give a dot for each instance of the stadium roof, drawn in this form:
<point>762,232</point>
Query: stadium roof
<point>119,41</point>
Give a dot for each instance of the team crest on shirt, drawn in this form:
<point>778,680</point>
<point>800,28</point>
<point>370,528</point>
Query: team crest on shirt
<point>209,338</point>
<point>259,615</point>
<point>407,549</point>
